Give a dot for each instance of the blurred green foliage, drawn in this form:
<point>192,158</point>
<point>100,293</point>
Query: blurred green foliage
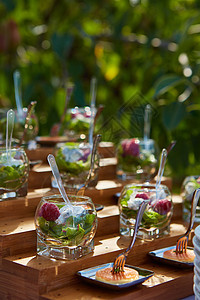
<point>141,51</point>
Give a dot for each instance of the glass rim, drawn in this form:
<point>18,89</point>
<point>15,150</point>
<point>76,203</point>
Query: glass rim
<point>147,185</point>
<point>55,196</point>
<point>74,144</point>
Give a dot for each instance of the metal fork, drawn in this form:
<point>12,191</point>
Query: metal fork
<point>120,260</point>
<point>182,242</point>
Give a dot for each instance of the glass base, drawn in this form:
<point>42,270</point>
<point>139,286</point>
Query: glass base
<point>21,192</point>
<point>64,253</point>
<point>144,233</point>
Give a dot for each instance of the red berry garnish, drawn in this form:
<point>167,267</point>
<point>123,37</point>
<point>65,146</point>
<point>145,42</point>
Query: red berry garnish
<point>142,195</point>
<point>162,206</point>
<point>131,147</point>
<point>49,212</point>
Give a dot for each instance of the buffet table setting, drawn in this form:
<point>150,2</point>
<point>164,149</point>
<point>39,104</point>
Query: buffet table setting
<point>83,218</point>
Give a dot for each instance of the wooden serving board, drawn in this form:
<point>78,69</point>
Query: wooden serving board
<point>32,276</point>
<point>17,229</point>
<point>166,284</point>
<point>24,275</point>
<point>41,275</point>
<point>40,175</point>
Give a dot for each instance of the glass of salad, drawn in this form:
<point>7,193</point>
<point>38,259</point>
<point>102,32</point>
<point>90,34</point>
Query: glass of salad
<point>63,233</point>
<point>77,122</point>
<point>157,216</point>
<point>14,170</point>
<point>190,184</point>
<point>74,161</point>
<point>137,159</point>
<point>32,129</point>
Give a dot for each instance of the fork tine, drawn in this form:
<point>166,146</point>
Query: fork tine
<point>116,264</point>
<point>182,245</point>
<point>178,245</point>
<point>185,245</point>
<point>121,263</point>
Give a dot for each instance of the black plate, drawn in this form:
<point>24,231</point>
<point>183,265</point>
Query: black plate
<point>89,276</point>
<point>158,256</point>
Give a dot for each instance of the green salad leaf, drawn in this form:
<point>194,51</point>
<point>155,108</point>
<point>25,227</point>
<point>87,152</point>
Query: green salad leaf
<point>74,168</point>
<point>11,177</point>
<point>79,126</point>
<point>72,232</point>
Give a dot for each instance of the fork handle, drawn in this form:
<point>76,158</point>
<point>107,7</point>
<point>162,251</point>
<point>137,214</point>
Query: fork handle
<point>195,200</point>
<point>94,149</point>
<point>140,213</point>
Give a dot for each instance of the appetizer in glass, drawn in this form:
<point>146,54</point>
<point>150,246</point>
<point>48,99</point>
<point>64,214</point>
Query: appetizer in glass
<point>63,233</point>
<point>74,162</point>
<point>14,170</point>
<point>157,216</point>
<point>137,159</point>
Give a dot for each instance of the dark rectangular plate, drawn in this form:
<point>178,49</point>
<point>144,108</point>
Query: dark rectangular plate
<point>157,255</point>
<point>89,276</point>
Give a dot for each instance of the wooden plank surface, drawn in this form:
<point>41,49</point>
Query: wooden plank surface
<point>24,275</point>
<point>40,175</point>
<point>52,274</point>
<point>17,229</point>
<point>166,284</point>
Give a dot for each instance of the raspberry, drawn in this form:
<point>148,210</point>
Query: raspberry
<point>74,114</point>
<point>125,145</point>
<point>162,206</point>
<point>131,147</point>
<point>142,195</point>
<point>87,114</point>
<point>49,212</point>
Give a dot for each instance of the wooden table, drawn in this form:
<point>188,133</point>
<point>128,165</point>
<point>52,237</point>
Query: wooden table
<point>24,275</point>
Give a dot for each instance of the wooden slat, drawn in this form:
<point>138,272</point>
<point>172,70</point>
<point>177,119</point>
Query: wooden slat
<point>17,229</point>
<point>53,274</point>
<point>166,284</point>
<point>23,206</point>
<point>40,175</point>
